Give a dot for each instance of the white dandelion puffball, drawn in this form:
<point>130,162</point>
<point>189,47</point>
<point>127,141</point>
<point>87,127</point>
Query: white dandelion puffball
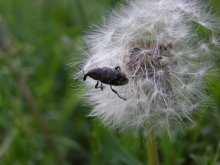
<point>155,44</point>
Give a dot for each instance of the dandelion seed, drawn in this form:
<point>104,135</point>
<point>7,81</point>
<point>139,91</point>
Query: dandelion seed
<point>215,40</point>
<point>156,46</point>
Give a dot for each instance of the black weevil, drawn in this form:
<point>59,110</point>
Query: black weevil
<point>110,76</point>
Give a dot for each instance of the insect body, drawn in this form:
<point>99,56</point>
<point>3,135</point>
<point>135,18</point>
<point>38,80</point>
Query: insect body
<point>108,76</point>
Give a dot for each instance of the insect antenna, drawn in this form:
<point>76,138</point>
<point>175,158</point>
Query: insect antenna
<point>78,76</point>
<point>82,70</point>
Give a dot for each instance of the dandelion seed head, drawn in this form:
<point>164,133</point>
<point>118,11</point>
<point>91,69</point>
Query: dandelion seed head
<point>156,45</point>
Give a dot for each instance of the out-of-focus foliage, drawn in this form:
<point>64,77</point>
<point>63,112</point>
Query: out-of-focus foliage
<point>42,113</point>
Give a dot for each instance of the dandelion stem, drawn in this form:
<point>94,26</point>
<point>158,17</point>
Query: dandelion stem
<point>152,150</point>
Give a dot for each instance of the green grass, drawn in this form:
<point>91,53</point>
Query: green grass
<point>42,114</point>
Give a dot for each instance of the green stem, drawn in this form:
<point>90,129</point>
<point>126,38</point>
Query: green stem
<point>152,150</point>
<point>217,155</point>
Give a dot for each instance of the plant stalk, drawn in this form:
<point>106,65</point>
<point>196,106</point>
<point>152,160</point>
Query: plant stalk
<point>152,150</point>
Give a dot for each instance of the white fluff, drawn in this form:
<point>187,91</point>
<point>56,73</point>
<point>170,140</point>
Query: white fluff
<point>161,92</point>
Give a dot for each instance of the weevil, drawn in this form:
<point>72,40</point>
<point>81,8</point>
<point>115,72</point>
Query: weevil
<point>110,76</point>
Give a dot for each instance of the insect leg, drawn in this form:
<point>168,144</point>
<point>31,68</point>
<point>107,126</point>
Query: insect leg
<point>101,86</point>
<point>97,85</point>
<point>117,93</point>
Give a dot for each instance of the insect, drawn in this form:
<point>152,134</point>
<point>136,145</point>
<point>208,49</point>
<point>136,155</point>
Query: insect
<point>110,76</point>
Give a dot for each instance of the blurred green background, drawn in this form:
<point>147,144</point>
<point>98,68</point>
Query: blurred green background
<point>42,113</point>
